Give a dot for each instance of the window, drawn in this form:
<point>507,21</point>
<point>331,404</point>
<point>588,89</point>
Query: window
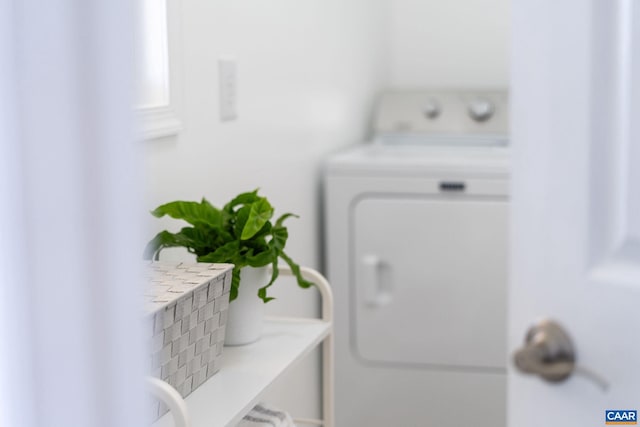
<point>153,68</point>
<point>158,96</point>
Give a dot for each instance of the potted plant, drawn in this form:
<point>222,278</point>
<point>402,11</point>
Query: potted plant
<point>241,233</point>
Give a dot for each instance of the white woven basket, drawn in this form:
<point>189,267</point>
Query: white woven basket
<point>185,319</point>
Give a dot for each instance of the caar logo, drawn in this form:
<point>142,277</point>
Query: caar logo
<point>620,417</point>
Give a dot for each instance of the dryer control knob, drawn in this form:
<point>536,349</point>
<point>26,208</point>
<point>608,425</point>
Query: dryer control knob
<point>481,109</point>
<point>432,109</point>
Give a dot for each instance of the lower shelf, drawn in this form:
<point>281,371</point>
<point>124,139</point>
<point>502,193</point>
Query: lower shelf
<point>248,370</point>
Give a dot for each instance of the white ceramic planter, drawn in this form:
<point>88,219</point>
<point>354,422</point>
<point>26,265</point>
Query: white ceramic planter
<point>246,312</point>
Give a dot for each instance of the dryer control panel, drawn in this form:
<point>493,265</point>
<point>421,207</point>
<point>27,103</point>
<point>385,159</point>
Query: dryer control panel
<point>442,112</point>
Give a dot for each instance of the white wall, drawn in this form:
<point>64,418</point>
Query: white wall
<point>449,43</point>
<point>308,74</point>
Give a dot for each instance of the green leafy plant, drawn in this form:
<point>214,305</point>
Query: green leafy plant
<point>241,233</point>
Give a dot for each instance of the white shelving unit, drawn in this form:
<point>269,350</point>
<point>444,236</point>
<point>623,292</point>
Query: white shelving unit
<point>247,371</point>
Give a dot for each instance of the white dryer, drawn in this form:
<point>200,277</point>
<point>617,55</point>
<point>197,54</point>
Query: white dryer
<point>416,228</point>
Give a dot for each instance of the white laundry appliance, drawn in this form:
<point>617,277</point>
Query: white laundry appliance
<point>416,229</point>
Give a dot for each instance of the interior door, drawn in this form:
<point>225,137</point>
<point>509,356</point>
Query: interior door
<point>576,206</point>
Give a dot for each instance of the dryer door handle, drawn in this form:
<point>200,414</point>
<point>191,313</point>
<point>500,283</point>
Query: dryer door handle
<point>376,291</point>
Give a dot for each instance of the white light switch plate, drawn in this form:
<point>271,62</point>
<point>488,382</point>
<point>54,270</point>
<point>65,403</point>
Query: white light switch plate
<point>227,73</point>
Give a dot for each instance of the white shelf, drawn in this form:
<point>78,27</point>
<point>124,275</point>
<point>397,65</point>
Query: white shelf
<point>248,370</point>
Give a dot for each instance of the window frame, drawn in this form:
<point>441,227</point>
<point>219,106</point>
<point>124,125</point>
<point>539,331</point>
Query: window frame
<point>160,121</point>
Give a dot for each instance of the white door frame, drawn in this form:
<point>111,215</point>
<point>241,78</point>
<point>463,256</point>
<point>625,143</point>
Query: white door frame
<point>69,299</point>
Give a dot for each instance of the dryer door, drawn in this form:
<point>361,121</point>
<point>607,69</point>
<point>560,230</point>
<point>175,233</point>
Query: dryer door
<point>430,280</point>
